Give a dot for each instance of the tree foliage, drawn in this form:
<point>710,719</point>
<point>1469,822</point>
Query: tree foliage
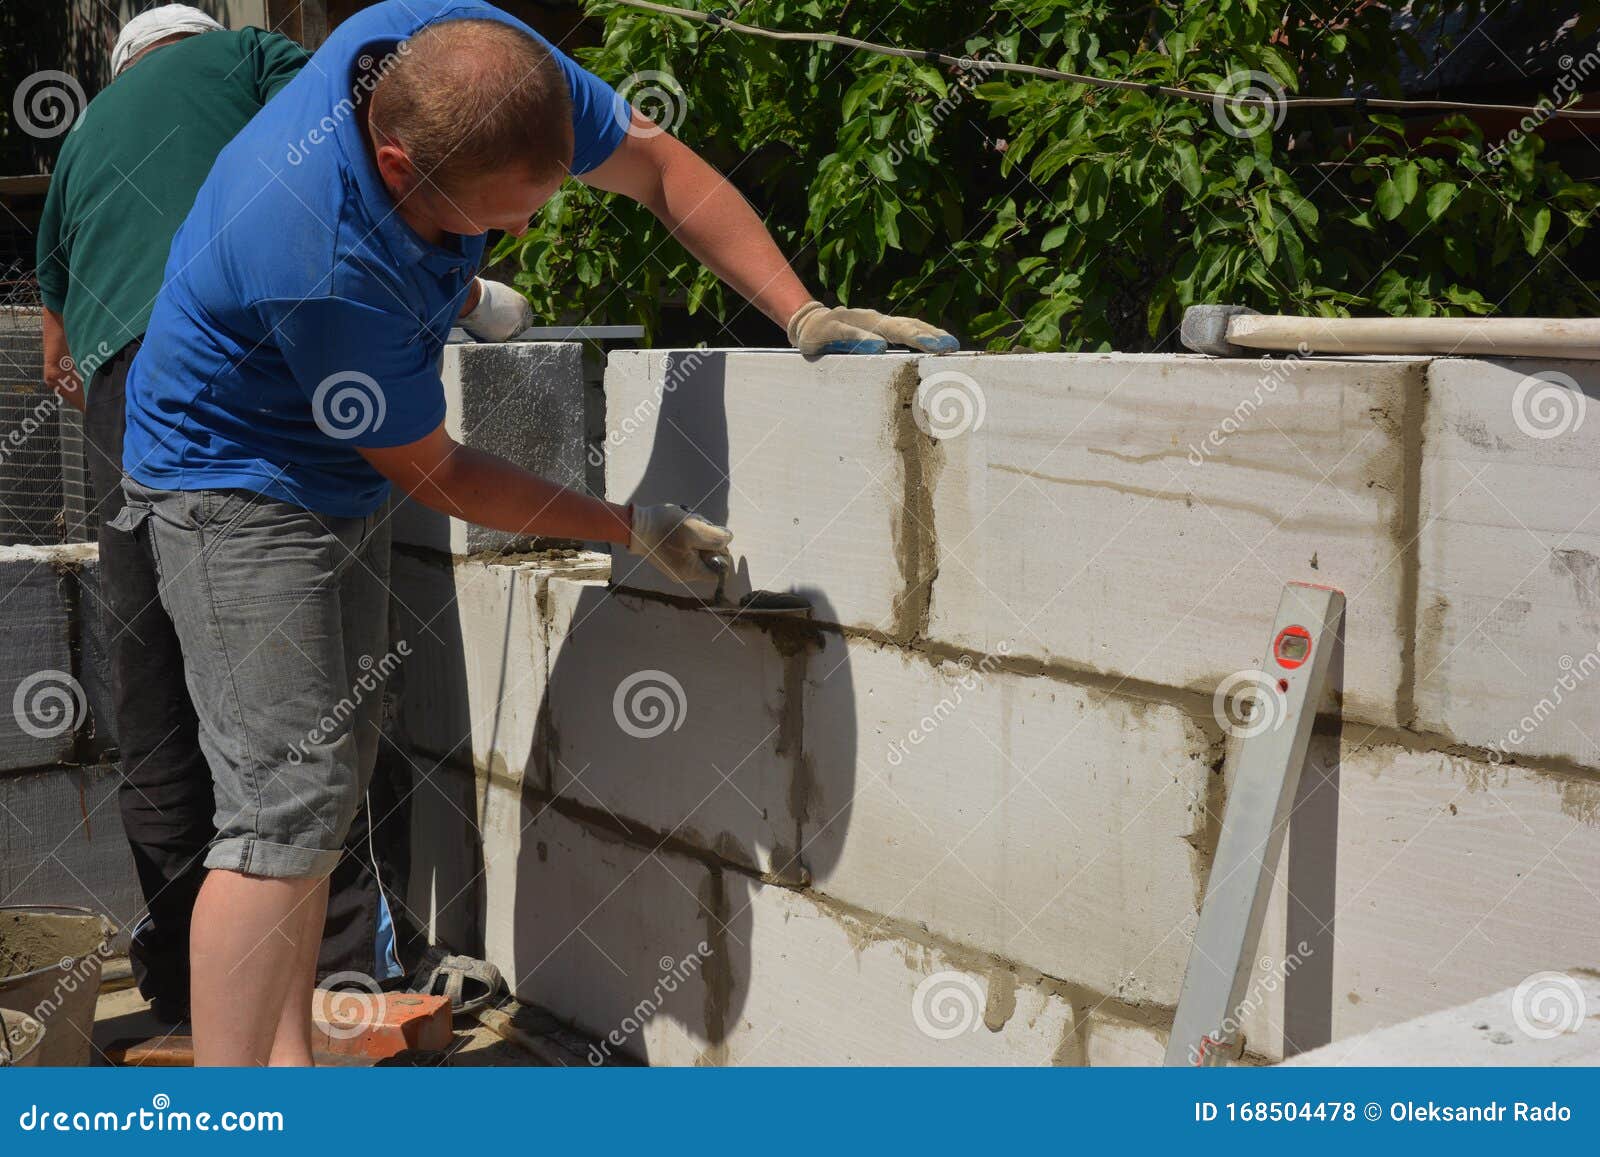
<point>1035,213</point>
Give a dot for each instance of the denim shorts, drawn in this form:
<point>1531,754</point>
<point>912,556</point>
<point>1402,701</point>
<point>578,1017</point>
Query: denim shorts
<point>282,618</point>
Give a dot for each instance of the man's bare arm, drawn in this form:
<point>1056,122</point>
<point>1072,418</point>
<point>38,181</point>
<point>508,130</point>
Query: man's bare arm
<point>480,488</point>
<point>60,374</point>
<point>706,213</point>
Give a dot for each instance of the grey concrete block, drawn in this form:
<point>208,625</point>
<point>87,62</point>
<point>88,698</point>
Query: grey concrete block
<point>523,401</point>
<point>94,661</point>
<point>41,701</point>
<point>61,842</point>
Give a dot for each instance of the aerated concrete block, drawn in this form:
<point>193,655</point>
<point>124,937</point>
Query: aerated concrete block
<point>1508,632</point>
<point>522,401</point>
<point>796,457</point>
<point>1138,516</point>
<point>818,987</point>
<point>474,662</point>
<point>677,720</point>
<point>1113,1042</point>
<point>473,683</point>
<point>610,937</point>
<point>1493,1031</point>
<point>1034,820</point>
<point>1438,879</point>
<point>42,702</point>
<point>61,842</point>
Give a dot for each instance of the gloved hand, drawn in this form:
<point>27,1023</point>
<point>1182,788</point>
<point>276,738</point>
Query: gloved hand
<point>500,315</point>
<point>677,543</point>
<point>816,329</point>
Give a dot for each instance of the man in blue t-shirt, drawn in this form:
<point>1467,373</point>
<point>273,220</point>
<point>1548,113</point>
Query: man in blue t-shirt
<point>289,377</point>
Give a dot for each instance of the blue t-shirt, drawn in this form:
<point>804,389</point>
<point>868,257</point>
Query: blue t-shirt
<point>301,317</point>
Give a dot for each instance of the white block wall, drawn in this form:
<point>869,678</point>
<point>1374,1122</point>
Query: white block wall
<point>992,759</point>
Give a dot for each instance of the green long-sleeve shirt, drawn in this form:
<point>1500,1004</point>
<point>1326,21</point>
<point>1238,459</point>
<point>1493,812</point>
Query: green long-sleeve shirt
<point>128,173</point>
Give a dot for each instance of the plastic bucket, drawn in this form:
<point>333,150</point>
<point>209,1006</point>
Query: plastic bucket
<point>50,958</point>
<point>20,1039</point>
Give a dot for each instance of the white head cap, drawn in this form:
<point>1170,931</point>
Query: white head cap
<point>146,28</point>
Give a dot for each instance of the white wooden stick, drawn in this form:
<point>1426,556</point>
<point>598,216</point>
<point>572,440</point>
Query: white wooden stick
<point>1448,336</point>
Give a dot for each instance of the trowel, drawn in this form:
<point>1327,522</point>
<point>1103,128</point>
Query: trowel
<point>756,604</point>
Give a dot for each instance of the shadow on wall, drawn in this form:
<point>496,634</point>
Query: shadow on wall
<point>670,769</point>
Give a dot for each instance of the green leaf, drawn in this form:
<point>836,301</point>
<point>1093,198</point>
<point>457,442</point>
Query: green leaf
<point>879,166</point>
<point>1536,229</point>
<point>1440,198</point>
<point>1186,164</point>
<point>1054,238</point>
<point>1390,201</point>
<point>1405,179</point>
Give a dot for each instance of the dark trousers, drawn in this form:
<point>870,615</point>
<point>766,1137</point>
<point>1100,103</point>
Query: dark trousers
<point>166,797</point>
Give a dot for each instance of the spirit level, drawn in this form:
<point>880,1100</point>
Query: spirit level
<point>1270,760</point>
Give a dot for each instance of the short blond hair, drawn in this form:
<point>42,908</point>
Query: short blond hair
<point>469,97</point>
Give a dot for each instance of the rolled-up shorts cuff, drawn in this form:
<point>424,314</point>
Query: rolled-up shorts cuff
<point>258,857</point>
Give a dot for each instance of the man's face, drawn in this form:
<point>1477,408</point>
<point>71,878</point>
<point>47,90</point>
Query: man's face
<point>506,200</point>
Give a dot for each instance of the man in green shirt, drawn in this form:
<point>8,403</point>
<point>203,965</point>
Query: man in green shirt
<point>125,179</point>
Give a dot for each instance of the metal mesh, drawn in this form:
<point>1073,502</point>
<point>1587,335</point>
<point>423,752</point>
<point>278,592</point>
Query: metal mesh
<point>44,481</point>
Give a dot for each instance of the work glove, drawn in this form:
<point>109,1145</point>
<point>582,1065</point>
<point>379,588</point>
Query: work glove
<point>816,329</point>
<point>679,544</point>
<point>500,315</point>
